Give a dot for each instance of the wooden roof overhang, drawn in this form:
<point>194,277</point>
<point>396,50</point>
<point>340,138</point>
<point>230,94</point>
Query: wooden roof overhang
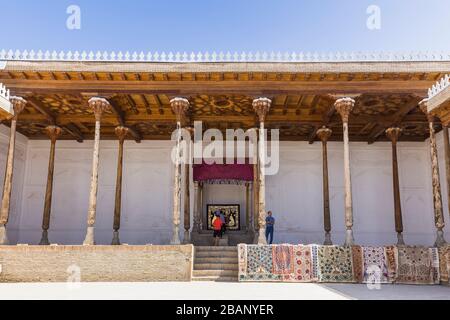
<point>221,96</point>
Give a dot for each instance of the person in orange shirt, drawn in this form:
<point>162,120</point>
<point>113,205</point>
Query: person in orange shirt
<point>217,227</point>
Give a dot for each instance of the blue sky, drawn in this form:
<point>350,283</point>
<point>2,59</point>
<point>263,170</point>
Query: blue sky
<point>242,25</point>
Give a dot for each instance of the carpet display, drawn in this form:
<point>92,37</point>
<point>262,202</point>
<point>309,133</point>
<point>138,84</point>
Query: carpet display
<point>375,265</point>
<point>283,259</point>
<point>358,263</point>
<point>335,264</point>
<point>417,265</point>
<point>444,263</point>
<point>302,271</point>
<point>392,262</point>
<point>258,265</point>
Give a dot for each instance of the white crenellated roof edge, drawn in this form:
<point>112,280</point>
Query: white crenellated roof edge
<point>180,57</point>
<point>4,92</point>
<point>439,86</point>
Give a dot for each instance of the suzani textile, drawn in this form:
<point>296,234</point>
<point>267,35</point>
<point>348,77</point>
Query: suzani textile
<point>282,263</point>
<point>375,265</point>
<point>258,264</point>
<point>356,264</point>
<point>417,265</point>
<point>444,263</point>
<point>302,271</point>
<point>335,264</point>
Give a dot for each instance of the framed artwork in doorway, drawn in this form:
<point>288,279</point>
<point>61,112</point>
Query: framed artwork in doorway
<point>232,214</point>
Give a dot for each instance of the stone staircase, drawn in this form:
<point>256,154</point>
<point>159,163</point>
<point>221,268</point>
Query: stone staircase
<point>215,264</point>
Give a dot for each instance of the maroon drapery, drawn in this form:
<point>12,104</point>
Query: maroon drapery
<point>232,172</point>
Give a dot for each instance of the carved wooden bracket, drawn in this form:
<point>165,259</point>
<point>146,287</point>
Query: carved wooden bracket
<point>344,106</point>
<point>262,107</point>
<point>99,105</point>
<point>324,134</point>
<point>19,104</point>
<point>179,107</point>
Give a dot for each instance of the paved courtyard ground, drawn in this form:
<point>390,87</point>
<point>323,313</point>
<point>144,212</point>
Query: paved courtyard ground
<point>221,291</point>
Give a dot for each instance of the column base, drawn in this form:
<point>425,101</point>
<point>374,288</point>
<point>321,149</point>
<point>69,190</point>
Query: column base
<point>261,239</point>
<point>186,237</point>
<point>3,236</point>
<point>44,239</point>
<point>115,241</point>
<point>400,241</point>
<point>349,239</point>
<point>175,237</point>
<point>89,239</point>
<point>440,241</point>
<point>328,241</point>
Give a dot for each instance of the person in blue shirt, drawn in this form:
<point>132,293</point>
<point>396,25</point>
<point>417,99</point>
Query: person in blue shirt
<point>270,223</point>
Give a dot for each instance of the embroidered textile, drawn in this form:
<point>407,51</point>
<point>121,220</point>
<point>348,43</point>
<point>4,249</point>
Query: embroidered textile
<point>335,264</point>
<point>415,265</point>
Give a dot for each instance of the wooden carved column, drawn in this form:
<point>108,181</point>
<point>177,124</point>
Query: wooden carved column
<point>344,106</point>
<point>53,132</point>
<point>200,205</point>
<point>447,161</point>
<point>121,133</point>
<point>247,206</point>
<point>255,189</point>
<point>18,104</point>
<point>179,107</point>
<point>262,107</point>
<point>196,226</point>
<point>437,195</point>
<point>393,134</point>
<point>98,105</point>
<point>324,134</point>
<point>187,204</point>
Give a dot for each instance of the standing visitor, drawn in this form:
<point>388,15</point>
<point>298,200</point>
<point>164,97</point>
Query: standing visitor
<point>270,223</point>
<point>217,227</point>
<point>224,222</point>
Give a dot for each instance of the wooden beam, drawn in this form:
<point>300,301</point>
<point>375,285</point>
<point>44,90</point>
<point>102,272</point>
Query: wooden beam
<point>121,120</point>
<point>73,130</point>
<point>187,88</point>
<point>396,119</point>
<point>132,104</point>
<point>312,136</point>
<point>42,109</point>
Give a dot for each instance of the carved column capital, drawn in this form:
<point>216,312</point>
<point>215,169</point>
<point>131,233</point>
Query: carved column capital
<point>324,134</point>
<point>179,106</point>
<point>53,132</point>
<point>18,104</point>
<point>423,105</point>
<point>344,107</point>
<point>121,132</point>
<point>99,105</point>
<point>393,133</point>
<point>262,107</point>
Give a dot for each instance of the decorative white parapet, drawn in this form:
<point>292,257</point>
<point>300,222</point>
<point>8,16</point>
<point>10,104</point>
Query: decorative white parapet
<point>228,56</point>
<point>438,102</point>
<point>5,104</point>
<point>440,86</point>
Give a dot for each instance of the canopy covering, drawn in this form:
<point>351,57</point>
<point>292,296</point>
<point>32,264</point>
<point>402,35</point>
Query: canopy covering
<point>223,173</point>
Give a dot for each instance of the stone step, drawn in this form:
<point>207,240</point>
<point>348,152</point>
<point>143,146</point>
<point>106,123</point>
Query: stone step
<point>206,248</point>
<point>221,260</point>
<point>216,254</point>
<point>215,273</point>
<point>215,279</point>
<point>216,266</point>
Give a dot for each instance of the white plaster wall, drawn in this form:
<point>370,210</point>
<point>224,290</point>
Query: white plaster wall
<point>294,194</point>
<point>18,178</point>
